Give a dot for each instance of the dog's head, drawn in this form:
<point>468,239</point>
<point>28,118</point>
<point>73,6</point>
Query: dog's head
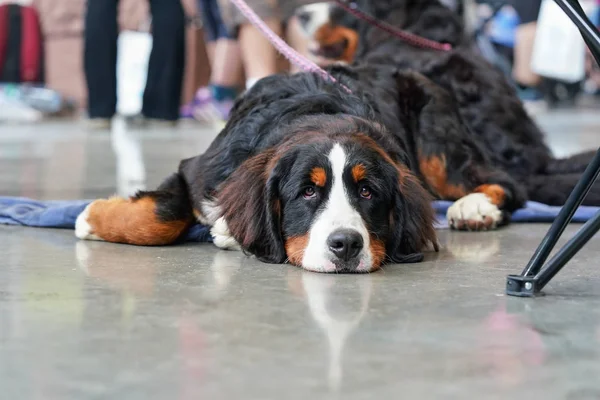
<point>329,199</point>
<point>332,32</point>
<point>335,34</point>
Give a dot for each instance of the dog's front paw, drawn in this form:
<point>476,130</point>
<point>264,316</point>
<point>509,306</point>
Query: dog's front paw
<point>83,227</point>
<point>474,212</point>
<point>222,237</point>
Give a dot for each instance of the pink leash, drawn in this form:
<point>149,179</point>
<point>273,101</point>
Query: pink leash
<point>408,37</point>
<point>292,55</point>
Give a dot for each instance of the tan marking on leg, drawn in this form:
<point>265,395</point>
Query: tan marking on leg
<point>132,221</point>
<point>495,192</point>
<point>434,171</point>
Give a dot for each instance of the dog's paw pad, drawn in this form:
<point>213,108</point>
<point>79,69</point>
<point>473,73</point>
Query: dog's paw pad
<point>474,212</point>
<point>222,237</point>
<point>83,228</point>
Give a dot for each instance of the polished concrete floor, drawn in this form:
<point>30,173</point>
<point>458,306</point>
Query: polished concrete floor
<point>91,320</point>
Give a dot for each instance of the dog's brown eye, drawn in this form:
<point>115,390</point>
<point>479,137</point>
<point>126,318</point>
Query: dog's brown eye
<point>309,192</point>
<point>365,192</point>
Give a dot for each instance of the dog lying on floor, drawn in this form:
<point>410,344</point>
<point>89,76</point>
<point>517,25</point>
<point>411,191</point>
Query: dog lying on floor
<point>307,173</point>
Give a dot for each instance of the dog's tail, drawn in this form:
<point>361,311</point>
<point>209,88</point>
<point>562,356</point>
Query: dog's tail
<point>554,186</point>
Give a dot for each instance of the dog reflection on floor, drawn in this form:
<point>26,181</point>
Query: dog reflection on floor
<point>141,277</point>
<point>464,248</point>
<point>322,293</point>
<point>337,319</point>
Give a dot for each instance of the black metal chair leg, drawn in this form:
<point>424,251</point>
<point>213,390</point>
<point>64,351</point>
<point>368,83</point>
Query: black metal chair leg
<point>564,255</point>
<point>530,286</point>
<point>533,278</point>
<point>589,32</point>
<point>564,217</point>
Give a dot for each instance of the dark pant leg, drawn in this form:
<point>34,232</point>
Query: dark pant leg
<point>162,96</point>
<point>527,10</point>
<point>214,27</point>
<point>208,22</point>
<point>100,57</point>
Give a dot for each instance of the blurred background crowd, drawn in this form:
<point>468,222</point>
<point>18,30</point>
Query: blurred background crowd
<point>159,61</point>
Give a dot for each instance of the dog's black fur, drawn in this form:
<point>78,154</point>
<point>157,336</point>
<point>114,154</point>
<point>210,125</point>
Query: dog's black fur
<point>486,101</point>
<point>284,112</point>
<point>415,118</point>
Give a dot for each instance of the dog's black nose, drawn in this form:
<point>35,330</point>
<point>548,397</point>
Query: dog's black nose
<point>346,244</point>
<point>304,17</point>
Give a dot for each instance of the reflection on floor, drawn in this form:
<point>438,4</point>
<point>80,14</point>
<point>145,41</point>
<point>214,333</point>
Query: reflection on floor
<point>96,320</point>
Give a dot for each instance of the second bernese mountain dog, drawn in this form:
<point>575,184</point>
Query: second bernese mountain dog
<point>307,173</point>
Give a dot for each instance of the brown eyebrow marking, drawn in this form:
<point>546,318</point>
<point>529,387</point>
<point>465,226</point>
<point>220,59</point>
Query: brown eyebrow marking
<point>318,176</point>
<point>359,172</point>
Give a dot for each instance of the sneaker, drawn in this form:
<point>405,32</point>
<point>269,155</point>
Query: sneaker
<point>204,108</point>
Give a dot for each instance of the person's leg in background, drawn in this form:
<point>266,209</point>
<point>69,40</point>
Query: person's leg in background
<point>259,57</point>
<point>293,30</point>
<point>227,64</point>
<point>213,103</point>
<point>297,39</point>
<point>226,74</point>
<point>162,96</point>
<point>528,11</point>
<point>529,83</point>
<point>100,60</point>
<point>210,28</point>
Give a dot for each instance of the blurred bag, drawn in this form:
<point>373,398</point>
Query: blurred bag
<point>132,69</point>
<point>21,44</point>
<point>559,50</point>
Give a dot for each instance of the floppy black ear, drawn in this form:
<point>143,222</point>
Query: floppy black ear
<point>411,221</point>
<point>250,204</point>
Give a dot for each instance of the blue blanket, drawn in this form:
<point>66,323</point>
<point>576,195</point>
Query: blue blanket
<point>62,214</point>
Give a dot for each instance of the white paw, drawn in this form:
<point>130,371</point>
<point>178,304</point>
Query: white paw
<point>83,230</point>
<point>222,237</point>
<point>474,212</point>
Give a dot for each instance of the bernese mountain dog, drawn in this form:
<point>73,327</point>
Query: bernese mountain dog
<point>309,173</point>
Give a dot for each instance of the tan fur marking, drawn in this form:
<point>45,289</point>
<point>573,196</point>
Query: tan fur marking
<point>359,172</point>
<point>328,35</point>
<point>495,192</point>
<point>318,176</point>
<point>132,221</point>
<point>295,247</point>
<point>434,171</point>
<point>377,251</point>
